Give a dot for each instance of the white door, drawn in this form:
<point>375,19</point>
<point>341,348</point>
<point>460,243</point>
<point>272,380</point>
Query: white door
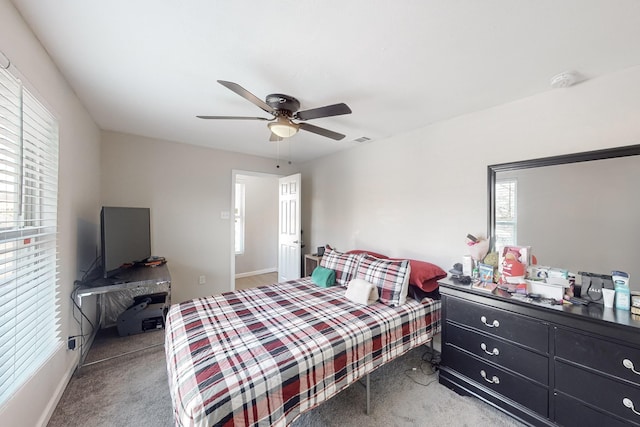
<point>290,234</point>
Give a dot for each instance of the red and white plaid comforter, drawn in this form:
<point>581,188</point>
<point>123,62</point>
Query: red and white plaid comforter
<point>265,355</point>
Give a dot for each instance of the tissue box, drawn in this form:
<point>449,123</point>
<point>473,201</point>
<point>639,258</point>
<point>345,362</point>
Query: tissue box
<point>554,289</point>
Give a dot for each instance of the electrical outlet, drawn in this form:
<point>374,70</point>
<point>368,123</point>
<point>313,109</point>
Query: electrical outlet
<point>71,343</point>
<point>202,280</point>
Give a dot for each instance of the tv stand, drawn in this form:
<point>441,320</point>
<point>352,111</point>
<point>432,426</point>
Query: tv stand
<point>149,279</point>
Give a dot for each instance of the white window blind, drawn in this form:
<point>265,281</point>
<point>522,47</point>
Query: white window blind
<point>29,315</point>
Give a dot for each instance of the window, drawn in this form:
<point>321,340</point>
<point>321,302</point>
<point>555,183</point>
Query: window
<point>506,211</point>
<point>239,218</point>
<point>28,235</point>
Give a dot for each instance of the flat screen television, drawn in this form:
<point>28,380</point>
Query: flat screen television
<point>125,237</point>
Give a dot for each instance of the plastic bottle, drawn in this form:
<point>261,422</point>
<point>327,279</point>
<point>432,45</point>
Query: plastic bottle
<point>623,293</point>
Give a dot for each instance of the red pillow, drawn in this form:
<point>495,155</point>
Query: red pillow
<point>425,275</point>
<point>373,254</point>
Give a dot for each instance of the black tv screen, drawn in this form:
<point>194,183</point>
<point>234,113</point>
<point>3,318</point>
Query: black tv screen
<point>125,237</point>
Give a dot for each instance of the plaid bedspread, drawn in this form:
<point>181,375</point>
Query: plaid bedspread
<point>263,356</point>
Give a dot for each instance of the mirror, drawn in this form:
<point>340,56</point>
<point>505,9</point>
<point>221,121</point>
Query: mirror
<point>580,212</point>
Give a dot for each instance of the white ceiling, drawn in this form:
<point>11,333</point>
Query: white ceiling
<point>148,67</point>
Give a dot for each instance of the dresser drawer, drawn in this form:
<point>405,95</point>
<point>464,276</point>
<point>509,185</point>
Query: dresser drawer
<point>604,356</point>
<point>571,412</point>
<point>613,396</point>
<point>503,353</point>
<point>501,323</point>
<point>516,388</point>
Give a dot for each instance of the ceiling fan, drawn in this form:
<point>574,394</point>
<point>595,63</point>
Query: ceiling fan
<point>284,108</point>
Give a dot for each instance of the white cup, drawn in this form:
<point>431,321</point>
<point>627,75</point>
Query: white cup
<point>467,265</point>
<point>608,295</point>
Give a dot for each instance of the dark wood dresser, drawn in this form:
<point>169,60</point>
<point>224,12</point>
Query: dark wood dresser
<point>543,365</point>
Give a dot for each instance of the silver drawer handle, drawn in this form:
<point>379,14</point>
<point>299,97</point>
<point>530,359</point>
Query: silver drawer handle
<point>494,379</point>
<point>493,352</point>
<point>494,324</point>
<point>629,365</point>
<point>629,404</point>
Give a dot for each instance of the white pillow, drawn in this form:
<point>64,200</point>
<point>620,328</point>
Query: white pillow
<point>361,292</point>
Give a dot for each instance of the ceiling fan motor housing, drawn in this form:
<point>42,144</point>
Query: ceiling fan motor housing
<point>279,101</point>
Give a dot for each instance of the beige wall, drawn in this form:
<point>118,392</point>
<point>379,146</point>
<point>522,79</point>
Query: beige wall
<point>261,225</point>
<point>420,193</point>
<point>187,187</point>
<point>78,207</point>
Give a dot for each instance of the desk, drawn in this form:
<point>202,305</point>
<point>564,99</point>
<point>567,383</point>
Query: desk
<point>135,281</point>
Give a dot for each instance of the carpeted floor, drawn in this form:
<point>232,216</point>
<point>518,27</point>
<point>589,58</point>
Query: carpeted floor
<point>132,391</point>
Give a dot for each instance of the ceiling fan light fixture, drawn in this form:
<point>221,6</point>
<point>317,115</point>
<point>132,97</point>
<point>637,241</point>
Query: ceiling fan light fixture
<point>283,127</point>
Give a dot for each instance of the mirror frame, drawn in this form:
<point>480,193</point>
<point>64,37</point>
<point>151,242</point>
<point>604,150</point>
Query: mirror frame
<point>631,150</point>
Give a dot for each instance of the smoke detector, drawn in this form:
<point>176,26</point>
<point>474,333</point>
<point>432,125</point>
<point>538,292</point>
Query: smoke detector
<point>566,79</point>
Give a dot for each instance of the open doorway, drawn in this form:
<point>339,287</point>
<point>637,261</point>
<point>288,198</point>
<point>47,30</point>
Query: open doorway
<point>254,224</point>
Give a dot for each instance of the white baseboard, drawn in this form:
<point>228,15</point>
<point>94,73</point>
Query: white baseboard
<point>47,413</point>
<point>255,273</point>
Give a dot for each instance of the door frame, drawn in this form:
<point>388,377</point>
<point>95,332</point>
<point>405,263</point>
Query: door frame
<point>234,177</point>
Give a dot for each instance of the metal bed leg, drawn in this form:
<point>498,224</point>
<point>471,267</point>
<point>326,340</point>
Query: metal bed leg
<point>368,397</point>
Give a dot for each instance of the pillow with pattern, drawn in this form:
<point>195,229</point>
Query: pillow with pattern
<point>344,265</point>
<point>390,276</point>
<point>425,275</point>
<point>363,251</point>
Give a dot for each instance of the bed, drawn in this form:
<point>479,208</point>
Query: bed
<point>265,355</point>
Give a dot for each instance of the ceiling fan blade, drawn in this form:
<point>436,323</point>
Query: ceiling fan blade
<point>275,138</point>
<point>233,118</point>
<point>327,111</point>
<point>321,131</point>
<point>235,87</point>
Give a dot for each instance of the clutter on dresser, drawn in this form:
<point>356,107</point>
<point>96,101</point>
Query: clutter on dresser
<point>592,285</point>
<point>478,247</point>
<point>513,262</point>
<point>457,274</point>
<point>622,290</point>
<point>512,271</point>
<point>635,304</point>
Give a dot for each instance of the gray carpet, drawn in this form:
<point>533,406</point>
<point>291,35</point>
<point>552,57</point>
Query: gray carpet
<point>132,391</point>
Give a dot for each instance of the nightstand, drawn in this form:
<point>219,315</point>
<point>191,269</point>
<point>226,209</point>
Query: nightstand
<point>311,261</point>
